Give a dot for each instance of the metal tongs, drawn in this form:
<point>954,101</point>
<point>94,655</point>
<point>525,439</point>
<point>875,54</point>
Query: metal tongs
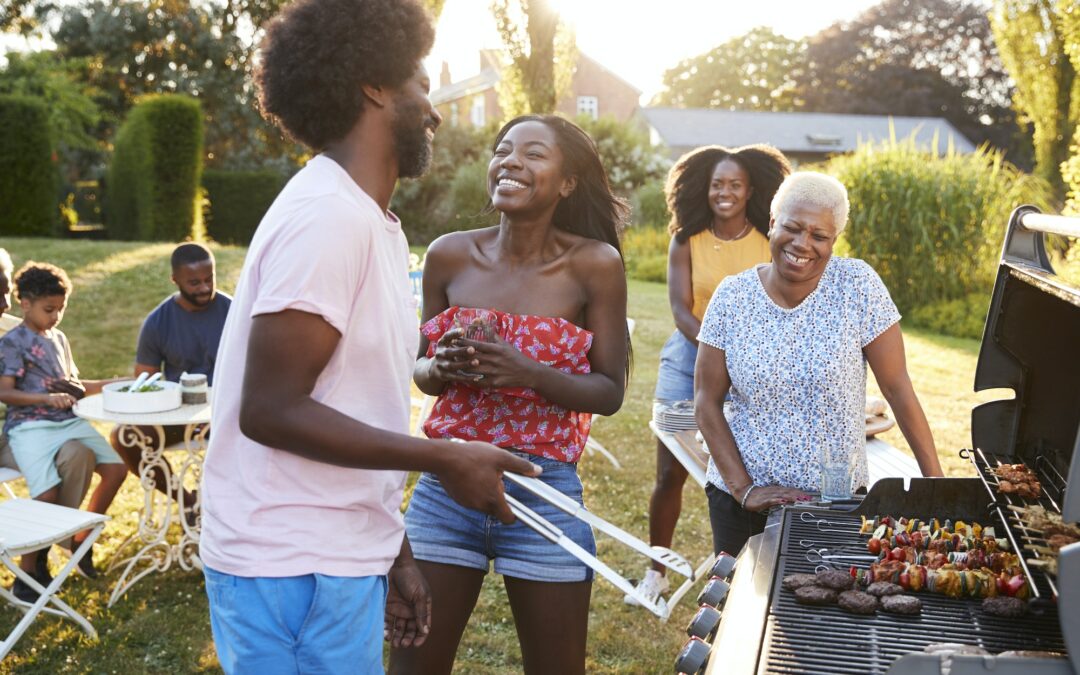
<point>555,535</point>
<point>665,556</point>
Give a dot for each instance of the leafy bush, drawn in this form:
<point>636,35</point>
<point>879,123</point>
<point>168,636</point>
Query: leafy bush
<point>963,317</point>
<point>28,177</point>
<point>467,199</point>
<point>238,200</point>
<point>931,226</point>
<point>1070,173</point>
<point>645,250</point>
<point>423,204</point>
<point>649,205</point>
<point>628,157</point>
<point>153,181</point>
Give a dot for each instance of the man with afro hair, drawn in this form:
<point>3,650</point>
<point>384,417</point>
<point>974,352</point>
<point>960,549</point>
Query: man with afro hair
<point>302,535</point>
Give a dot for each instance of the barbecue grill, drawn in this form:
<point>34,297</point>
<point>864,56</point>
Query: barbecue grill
<point>1030,345</point>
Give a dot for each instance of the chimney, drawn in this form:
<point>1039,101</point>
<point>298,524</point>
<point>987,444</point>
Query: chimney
<point>444,76</point>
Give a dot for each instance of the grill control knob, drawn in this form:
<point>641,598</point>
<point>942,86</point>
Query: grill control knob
<point>693,657</point>
<point>714,592</point>
<point>723,567</point>
<point>704,623</point>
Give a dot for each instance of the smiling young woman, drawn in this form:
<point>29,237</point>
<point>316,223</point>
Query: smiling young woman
<point>719,201</point>
<point>548,284</point>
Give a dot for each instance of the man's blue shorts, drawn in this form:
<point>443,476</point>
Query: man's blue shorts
<point>290,625</point>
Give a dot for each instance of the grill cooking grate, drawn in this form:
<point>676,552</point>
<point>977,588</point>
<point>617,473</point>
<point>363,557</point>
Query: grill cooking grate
<point>828,640</point>
<point>1031,543</point>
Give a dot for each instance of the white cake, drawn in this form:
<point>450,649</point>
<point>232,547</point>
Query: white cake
<point>167,397</point>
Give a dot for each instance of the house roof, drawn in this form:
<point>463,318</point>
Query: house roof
<point>792,132</point>
<point>486,79</point>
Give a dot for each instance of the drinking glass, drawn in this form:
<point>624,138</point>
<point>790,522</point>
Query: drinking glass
<point>835,470</point>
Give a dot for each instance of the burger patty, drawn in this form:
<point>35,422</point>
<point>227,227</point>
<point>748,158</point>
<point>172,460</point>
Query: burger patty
<point>793,581</point>
<point>882,588</point>
<point>1004,606</point>
<point>901,604</point>
<point>836,580</point>
<point>858,602</point>
<point>815,595</point>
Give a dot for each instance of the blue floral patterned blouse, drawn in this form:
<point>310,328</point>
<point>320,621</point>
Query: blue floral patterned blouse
<point>798,376</point>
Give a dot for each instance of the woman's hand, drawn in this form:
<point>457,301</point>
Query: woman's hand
<point>454,360</point>
<point>765,497</point>
<point>500,364</point>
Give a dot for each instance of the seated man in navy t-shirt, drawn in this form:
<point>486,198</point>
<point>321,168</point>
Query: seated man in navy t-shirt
<point>180,335</point>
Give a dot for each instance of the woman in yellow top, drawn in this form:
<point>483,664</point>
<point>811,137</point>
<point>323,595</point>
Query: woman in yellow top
<point>719,203</point>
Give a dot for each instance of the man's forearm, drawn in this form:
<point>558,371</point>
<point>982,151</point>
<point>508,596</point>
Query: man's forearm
<point>316,431</point>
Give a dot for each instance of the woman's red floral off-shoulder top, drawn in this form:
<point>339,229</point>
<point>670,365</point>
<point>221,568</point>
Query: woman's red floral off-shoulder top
<point>517,418</point>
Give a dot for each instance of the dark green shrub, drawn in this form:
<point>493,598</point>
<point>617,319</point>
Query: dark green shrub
<point>28,176</point>
<point>153,181</point>
<point>963,317</point>
<point>650,206</point>
<point>237,202</point>
<point>931,226</point>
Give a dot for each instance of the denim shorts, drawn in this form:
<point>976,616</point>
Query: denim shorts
<point>442,531</point>
<point>675,380</point>
<point>313,623</point>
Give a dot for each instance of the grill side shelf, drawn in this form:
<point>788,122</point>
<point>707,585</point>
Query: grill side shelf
<point>1026,541</point>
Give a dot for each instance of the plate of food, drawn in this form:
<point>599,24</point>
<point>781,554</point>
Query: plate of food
<point>141,395</point>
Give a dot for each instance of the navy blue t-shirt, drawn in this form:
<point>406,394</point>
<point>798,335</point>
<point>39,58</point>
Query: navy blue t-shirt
<point>183,341</point>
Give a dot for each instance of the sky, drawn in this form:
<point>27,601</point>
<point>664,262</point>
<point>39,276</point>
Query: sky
<point>637,39</point>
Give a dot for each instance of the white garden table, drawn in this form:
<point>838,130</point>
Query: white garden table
<point>159,511</point>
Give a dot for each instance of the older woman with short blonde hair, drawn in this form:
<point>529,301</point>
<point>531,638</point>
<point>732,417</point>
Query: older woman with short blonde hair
<point>789,341</point>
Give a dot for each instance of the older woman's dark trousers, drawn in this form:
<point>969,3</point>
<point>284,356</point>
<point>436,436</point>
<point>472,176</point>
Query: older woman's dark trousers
<point>732,525</point>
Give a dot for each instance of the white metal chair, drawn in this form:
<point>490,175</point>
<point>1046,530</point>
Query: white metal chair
<point>27,525</point>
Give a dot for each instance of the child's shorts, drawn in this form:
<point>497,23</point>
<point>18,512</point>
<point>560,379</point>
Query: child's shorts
<point>35,445</point>
<point>441,530</point>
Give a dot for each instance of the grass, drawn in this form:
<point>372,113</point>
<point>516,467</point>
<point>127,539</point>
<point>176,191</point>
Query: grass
<point>161,625</point>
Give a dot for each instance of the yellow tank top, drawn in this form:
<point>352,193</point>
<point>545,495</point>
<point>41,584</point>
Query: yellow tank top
<point>713,259</point>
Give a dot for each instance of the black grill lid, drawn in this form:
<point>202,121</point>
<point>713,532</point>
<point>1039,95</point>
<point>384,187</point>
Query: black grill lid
<point>1031,344</point>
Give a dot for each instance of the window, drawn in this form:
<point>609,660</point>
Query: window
<point>454,114</point>
<point>476,114</point>
<point>588,105</point>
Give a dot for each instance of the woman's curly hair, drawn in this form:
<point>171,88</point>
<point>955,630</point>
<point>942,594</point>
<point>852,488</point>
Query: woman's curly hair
<point>318,53</point>
<point>41,280</point>
<point>687,187</point>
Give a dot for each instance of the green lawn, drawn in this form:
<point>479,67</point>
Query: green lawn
<point>161,626</point>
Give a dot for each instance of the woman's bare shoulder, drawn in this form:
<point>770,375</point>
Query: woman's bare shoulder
<point>594,257</point>
<point>458,245</point>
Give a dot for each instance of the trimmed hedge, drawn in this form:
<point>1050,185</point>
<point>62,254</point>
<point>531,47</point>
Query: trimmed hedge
<point>153,180</point>
<point>28,176</point>
<point>931,226</point>
<point>238,200</point>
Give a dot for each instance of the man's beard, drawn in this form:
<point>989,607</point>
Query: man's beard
<point>197,300</point>
<point>411,141</point>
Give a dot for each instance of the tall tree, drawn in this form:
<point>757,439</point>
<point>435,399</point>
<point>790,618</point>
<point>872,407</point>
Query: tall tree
<point>755,71</point>
<point>913,57</point>
<point>141,47</point>
<point>542,55</point>
<point>1034,36</point>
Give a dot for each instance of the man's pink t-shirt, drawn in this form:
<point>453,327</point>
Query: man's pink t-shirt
<point>324,247</point>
